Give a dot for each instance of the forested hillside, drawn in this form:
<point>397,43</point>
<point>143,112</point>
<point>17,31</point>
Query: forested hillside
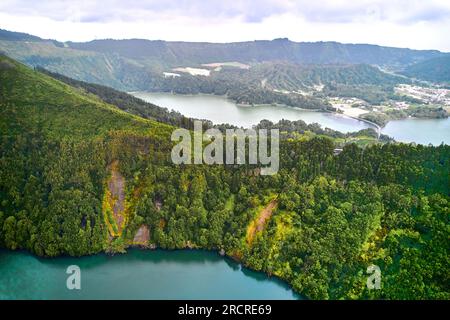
<point>278,76</point>
<point>17,36</point>
<point>80,176</point>
<point>107,69</point>
<point>434,70</point>
<point>257,51</point>
<point>172,53</point>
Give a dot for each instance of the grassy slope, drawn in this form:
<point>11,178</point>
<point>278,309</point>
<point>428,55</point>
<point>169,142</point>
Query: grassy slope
<point>30,98</point>
<point>107,69</point>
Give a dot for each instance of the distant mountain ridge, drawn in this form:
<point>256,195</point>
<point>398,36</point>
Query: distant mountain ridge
<point>137,64</point>
<point>17,36</point>
<point>282,49</point>
<point>259,51</point>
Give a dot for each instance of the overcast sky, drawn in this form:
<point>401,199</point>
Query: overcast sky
<point>418,24</point>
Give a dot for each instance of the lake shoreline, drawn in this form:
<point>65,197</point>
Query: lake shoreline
<point>417,130</point>
<point>199,107</point>
<point>131,250</point>
<point>256,105</point>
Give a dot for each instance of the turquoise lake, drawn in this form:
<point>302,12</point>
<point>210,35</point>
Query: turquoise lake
<point>138,274</point>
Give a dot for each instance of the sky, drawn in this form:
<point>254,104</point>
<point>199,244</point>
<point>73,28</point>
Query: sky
<point>416,24</point>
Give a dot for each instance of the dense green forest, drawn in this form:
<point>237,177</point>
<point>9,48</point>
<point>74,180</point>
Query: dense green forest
<point>64,149</point>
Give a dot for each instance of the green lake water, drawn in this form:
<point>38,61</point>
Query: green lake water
<point>138,274</point>
<point>221,110</point>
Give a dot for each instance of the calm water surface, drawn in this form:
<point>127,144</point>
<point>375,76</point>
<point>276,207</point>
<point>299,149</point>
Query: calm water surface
<point>220,110</point>
<point>423,131</point>
<point>139,274</point>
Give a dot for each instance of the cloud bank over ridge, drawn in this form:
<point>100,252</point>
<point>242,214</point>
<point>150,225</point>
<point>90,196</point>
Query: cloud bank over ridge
<point>401,23</point>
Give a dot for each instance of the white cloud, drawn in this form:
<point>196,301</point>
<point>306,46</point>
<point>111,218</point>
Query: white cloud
<point>400,23</point>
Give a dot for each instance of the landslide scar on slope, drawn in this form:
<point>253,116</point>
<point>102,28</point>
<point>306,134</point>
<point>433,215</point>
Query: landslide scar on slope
<point>258,224</point>
<point>114,208</point>
<point>142,236</point>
